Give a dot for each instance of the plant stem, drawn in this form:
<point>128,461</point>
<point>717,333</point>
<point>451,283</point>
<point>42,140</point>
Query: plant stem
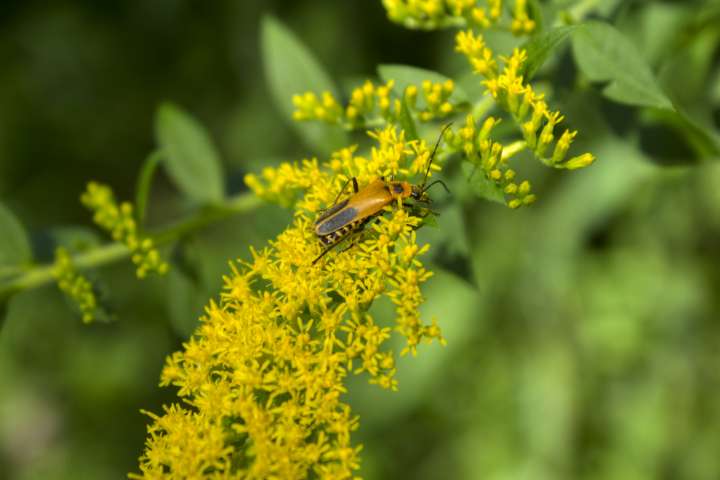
<point>105,254</point>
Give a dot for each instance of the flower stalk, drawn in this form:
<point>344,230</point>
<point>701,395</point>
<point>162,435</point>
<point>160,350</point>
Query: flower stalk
<point>39,275</point>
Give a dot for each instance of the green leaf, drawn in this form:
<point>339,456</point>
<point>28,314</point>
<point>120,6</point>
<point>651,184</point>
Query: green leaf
<point>671,131</point>
<point>184,302</point>
<point>292,69</point>
<point>14,244</point>
<point>405,75</point>
<point>481,185</point>
<point>407,122</point>
<point>605,55</point>
<point>539,48</point>
<point>190,157</point>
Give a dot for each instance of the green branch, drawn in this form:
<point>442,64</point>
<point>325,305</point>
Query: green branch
<point>40,275</point>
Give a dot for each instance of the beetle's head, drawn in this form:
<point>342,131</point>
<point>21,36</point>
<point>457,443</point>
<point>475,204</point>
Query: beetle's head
<point>419,194</point>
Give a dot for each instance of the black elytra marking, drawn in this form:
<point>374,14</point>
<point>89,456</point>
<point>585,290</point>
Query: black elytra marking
<point>341,219</point>
<point>398,188</point>
<point>331,210</point>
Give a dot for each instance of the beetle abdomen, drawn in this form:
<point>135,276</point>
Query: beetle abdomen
<point>342,233</point>
<point>336,222</point>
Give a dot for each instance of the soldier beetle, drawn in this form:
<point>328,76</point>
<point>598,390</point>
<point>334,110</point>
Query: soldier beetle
<point>350,216</point>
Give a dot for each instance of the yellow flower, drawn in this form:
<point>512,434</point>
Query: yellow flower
<point>480,56</point>
<point>521,23</point>
<point>491,158</point>
<point>516,96</point>
<point>373,104</point>
<point>78,288</point>
<point>432,14</point>
<point>119,222</point>
<point>262,378</point>
<point>310,107</point>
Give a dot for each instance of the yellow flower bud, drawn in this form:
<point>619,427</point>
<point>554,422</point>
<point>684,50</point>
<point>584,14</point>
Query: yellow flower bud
<point>581,161</point>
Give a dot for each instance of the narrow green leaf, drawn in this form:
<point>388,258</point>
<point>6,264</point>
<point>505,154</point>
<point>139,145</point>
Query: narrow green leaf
<point>606,55</point>
<point>405,75</point>
<point>14,244</point>
<point>292,69</point>
<point>481,185</point>
<point>191,159</point>
<point>539,48</point>
<point>142,191</point>
<point>407,122</point>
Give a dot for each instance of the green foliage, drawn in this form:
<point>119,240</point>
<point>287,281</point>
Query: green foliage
<point>541,46</point>
<point>481,185</point>
<point>190,157</point>
<point>14,244</point>
<point>605,55</point>
<point>407,123</point>
<point>582,332</point>
<point>291,68</point>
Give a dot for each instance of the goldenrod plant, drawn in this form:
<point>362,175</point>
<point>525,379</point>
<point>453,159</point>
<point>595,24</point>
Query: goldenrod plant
<point>525,321</point>
<point>267,367</point>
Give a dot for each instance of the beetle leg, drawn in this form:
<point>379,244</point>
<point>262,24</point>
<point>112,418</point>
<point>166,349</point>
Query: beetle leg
<point>354,243</point>
<point>335,243</point>
<point>322,254</point>
<point>355,233</point>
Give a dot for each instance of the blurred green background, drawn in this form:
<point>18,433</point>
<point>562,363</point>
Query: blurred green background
<point>583,332</point>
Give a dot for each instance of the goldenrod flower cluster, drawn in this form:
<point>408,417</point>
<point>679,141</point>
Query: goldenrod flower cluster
<point>487,155</point>
<point>262,379</point>
<point>527,108</point>
<point>436,96</point>
<point>78,288</point>
<point>433,14</point>
<point>372,104</point>
<point>118,220</point>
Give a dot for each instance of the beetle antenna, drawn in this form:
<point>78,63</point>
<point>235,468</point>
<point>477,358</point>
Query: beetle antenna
<point>435,182</point>
<point>437,144</point>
